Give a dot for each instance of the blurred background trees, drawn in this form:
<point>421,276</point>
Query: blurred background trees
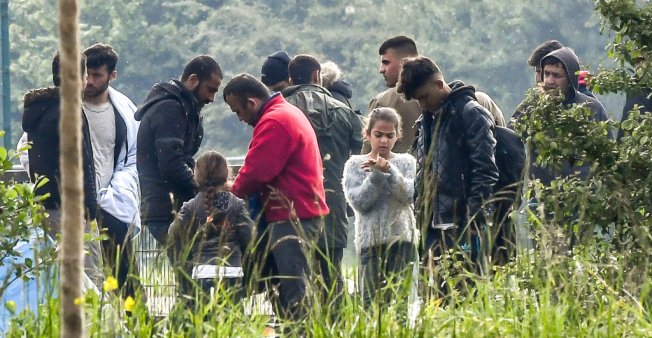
<point>484,42</point>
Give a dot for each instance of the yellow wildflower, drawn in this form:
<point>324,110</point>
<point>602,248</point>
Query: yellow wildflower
<point>110,284</point>
<point>129,304</point>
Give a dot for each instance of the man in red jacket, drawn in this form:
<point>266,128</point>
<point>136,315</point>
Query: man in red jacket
<point>284,168</point>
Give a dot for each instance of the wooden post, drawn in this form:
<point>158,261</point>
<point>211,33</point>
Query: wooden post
<point>72,193</point>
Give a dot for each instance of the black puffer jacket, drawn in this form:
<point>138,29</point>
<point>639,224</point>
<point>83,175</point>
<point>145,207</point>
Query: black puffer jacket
<point>456,170</point>
<point>170,134</point>
<point>41,123</point>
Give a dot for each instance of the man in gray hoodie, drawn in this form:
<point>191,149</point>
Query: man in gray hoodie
<point>558,74</point>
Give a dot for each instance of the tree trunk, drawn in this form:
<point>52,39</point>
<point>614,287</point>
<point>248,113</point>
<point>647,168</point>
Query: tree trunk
<point>72,195</point>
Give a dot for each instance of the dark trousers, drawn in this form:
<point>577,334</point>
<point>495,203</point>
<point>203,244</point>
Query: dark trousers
<point>118,253</point>
<point>440,241</point>
<point>159,231</point>
<point>463,246</point>
<point>289,243</point>
<point>387,265</point>
<point>329,263</point>
<point>231,287</point>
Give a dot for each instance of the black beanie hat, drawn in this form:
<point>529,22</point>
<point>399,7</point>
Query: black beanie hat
<point>275,68</point>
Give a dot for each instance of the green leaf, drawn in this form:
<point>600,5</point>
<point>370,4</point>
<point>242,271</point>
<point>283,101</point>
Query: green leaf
<point>643,140</point>
<point>11,194</point>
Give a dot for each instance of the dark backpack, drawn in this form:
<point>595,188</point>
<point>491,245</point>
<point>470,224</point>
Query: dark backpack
<point>510,160</point>
<point>509,155</point>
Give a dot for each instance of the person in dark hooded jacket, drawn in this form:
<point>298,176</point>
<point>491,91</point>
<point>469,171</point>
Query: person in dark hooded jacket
<point>456,169</point>
<point>339,135</point>
<point>170,134</point>
<point>558,76</point>
<point>331,79</point>
<point>41,123</point>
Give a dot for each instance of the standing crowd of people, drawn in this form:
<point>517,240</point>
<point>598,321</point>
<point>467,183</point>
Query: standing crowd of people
<point>418,173</point>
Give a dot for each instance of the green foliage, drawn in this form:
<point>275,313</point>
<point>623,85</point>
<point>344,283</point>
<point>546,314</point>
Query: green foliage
<point>20,217</point>
<point>615,199</point>
<point>631,23</point>
<point>535,296</point>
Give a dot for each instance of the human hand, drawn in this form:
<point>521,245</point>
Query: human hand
<point>377,163</point>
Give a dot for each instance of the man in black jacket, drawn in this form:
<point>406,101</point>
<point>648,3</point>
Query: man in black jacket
<point>41,123</point>
<point>338,129</point>
<point>170,134</point>
<point>456,170</point>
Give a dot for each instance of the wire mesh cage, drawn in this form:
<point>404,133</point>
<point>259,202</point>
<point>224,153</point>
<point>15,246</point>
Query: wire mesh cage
<point>156,274</point>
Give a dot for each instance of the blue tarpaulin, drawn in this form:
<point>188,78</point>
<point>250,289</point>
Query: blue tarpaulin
<point>30,292</point>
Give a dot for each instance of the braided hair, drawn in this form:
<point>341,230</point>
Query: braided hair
<point>211,174</point>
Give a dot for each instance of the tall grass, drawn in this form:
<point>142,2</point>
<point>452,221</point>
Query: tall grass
<point>538,294</point>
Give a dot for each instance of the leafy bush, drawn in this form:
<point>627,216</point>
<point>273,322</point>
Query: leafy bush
<point>21,217</point>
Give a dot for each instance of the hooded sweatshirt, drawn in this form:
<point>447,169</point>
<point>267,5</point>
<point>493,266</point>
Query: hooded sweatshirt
<point>571,96</point>
<point>170,134</point>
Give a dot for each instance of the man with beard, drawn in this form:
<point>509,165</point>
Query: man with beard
<point>558,77</point>
<point>113,131</point>
<point>283,168</point>
<point>41,120</point>
<point>170,134</point>
<point>392,51</point>
<point>338,135</point>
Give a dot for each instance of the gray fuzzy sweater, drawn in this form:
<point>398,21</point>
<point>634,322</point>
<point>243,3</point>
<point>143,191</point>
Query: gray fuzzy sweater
<point>382,202</point>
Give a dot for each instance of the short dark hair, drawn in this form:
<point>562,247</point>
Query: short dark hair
<point>542,50</point>
<point>404,45</point>
<point>301,68</point>
<point>101,54</point>
<point>551,61</point>
<point>416,72</point>
<point>56,68</point>
<point>245,86</point>
<point>203,66</point>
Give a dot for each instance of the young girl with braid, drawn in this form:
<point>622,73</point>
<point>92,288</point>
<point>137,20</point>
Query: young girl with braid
<point>379,187</point>
<point>211,233</point>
